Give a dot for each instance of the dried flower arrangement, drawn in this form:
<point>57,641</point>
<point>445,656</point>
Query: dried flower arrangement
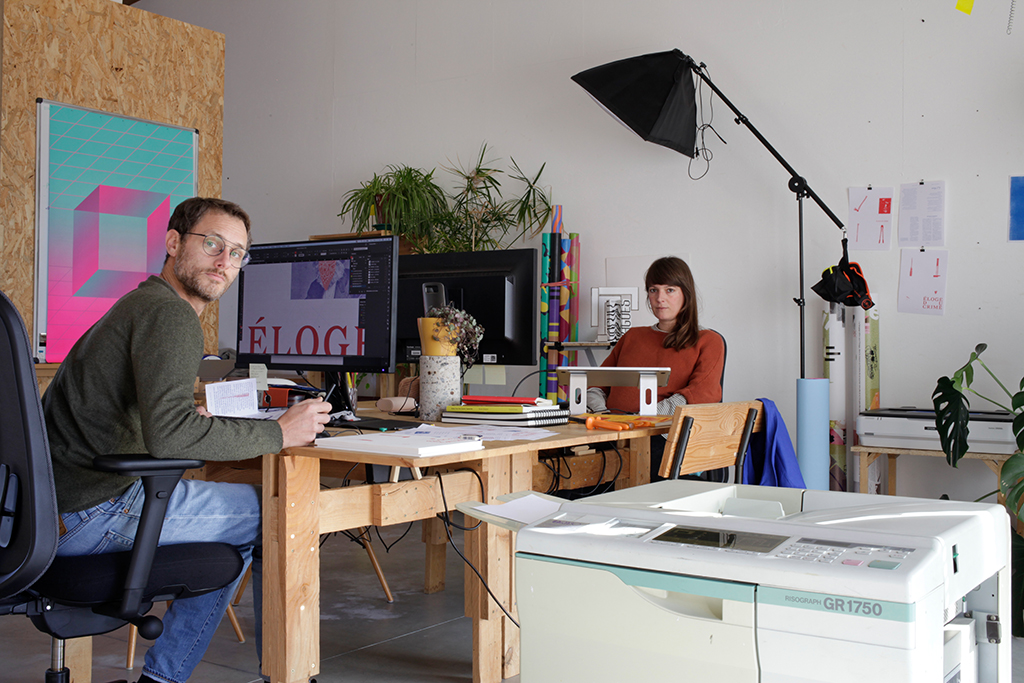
<point>461,329</point>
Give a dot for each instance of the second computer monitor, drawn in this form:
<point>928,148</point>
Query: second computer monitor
<point>498,288</point>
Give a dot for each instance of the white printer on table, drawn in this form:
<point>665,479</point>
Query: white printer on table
<point>694,581</point>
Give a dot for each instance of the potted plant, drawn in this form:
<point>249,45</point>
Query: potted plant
<point>403,200</point>
<point>474,216</point>
<point>952,420</point>
<point>441,375</point>
<point>453,333</point>
<point>480,218</point>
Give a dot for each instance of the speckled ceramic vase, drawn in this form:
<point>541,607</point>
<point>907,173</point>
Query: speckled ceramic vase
<point>440,385</point>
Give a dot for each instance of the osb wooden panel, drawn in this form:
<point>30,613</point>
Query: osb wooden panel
<point>107,56</point>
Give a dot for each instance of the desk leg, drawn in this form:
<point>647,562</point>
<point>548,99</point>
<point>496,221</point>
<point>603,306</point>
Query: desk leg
<point>521,480</point>
<point>637,468</point>
<point>291,568</point>
<point>483,549</point>
<point>865,462</point>
<point>495,644</point>
<point>436,542</point>
<point>78,659</point>
<point>892,473</point>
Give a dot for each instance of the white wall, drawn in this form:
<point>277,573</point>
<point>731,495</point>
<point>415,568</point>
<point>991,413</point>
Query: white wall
<point>321,94</point>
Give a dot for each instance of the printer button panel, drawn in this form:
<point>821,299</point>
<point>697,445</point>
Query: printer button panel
<point>850,554</point>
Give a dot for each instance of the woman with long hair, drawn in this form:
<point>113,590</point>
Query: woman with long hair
<point>696,356</point>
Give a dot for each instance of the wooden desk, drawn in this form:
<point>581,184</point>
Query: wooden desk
<point>296,511</point>
<point>868,454</point>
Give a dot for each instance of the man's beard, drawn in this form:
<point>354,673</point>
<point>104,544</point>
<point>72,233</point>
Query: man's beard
<point>194,285</point>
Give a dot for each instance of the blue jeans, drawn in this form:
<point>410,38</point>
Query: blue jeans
<point>197,511</point>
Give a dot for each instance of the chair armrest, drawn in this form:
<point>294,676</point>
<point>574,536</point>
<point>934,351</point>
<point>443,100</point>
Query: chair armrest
<point>159,477</point>
<point>142,465</point>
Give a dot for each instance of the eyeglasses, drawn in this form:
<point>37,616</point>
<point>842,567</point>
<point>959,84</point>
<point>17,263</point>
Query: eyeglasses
<point>214,245</point>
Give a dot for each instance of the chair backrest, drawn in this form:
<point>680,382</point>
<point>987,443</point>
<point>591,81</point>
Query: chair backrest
<point>713,440</point>
<point>28,503</point>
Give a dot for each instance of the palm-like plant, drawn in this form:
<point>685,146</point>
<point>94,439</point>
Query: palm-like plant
<point>480,218</point>
<point>952,418</point>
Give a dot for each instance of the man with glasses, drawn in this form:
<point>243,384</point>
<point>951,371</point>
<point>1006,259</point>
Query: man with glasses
<point>127,387</point>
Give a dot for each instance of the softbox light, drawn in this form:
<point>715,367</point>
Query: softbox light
<point>651,94</point>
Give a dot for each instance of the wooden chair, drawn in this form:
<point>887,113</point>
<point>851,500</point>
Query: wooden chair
<point>709,436</point>
<point>133,632</point>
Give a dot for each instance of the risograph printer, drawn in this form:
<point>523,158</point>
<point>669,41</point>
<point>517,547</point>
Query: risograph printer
<point>695,581</point>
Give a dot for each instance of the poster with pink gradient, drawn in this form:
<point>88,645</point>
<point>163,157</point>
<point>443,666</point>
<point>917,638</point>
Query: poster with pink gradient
<point>107,187</point>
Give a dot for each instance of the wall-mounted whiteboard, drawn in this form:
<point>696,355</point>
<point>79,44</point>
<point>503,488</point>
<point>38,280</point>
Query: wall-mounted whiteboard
<point>106,187</point>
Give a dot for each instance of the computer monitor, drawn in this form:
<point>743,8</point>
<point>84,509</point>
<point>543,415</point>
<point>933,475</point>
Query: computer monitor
<point>327,306</point>
<point>498,288</point>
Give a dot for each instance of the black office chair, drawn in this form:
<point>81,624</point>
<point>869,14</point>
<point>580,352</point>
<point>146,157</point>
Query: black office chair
<point>71,597</point>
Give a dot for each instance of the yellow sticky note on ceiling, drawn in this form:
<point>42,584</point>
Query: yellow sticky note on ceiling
<point>965,6</point>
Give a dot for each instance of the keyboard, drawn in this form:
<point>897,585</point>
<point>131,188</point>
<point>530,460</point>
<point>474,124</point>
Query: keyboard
<point>373,424</point>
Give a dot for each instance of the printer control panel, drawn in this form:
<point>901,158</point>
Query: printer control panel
<point>839,552</point>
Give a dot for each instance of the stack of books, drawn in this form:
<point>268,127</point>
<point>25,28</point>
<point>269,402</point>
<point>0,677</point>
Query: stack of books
<point>506,414</point>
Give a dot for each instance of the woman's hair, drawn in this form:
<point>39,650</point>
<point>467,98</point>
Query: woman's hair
<point>673,271</point>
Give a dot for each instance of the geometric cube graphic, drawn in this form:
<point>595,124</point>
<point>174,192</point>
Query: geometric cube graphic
<point>118,240</point>
<point>111,183</point>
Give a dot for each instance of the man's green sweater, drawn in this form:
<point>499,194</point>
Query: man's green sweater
<point>126,387</point>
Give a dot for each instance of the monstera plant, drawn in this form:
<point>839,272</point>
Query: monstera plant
<point>952,419</point>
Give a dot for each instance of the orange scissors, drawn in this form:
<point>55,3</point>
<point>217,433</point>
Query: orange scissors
<point>595,423</point>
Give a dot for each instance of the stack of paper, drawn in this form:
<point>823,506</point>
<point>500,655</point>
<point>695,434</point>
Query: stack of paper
<point>506,400</point>
<point>420,442</point>
<point>508,415</point>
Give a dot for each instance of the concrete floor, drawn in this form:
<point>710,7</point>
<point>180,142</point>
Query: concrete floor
<point>418,638</point>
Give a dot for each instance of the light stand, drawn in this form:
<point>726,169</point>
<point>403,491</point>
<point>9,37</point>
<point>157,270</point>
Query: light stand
<point>655,97</point>
<point>797,184</point>
<point>651,95</point>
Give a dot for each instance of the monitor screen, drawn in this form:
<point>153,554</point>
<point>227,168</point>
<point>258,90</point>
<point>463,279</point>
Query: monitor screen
<point>498,288</point>
<point>322,305</point>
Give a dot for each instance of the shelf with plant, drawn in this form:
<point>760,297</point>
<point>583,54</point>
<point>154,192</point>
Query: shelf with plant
<point>476,215</point>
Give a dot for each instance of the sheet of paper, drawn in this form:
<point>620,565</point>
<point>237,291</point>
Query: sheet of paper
<point>526,509</point>
<point>258,371</point>
<point>233,399</point>
<point>922,281</point>
<point>869,226</point>
<point>923,214</point>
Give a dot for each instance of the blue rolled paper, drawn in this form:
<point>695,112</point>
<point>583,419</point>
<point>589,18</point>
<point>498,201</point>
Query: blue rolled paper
<point>812,432</point>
